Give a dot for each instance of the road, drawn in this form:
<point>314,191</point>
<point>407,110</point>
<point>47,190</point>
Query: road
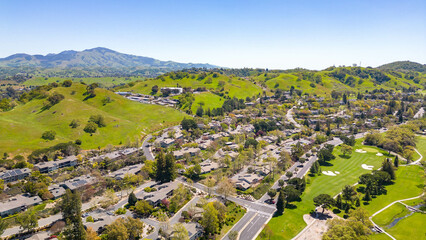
<point>147,149</point>
<point>290,118</point>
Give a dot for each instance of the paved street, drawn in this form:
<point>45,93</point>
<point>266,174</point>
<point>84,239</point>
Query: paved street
<point>146,148</point>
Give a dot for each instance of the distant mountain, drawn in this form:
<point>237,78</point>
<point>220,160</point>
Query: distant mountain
<point>92,58</point>
<point>404,66</point>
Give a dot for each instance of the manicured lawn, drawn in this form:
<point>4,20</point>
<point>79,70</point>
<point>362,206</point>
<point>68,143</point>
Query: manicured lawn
<point>22,127</point>
<point>412,227</point>
<point>380,236</point>
<point>291,222</point>
<point>386,217</point>
<point>235,212</point>
<point>421,146</point>
<point>409,183</point>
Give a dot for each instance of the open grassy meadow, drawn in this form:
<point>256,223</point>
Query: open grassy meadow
<point>209,100</point>
<point>22,127</point>
<point>291,222</point>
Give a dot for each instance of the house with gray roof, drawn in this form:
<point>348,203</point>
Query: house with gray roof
<point>79,182</point>
<point>47,167</point>
<point>120,173</point>
<point>15,174</point>
<point>17,204</point>
<point>164,191</point>
<point>56,190</point>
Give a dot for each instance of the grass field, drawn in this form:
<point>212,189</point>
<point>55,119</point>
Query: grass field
<point>412,227</point>
<point>291,222</point>
<point>421,146</point>
<point>210,100</point>
<point>409,183</point>
<point>23,126</point>
<point>386,217</point>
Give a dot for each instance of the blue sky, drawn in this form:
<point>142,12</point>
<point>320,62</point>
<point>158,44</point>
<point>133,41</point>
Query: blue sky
<point>265,34</point>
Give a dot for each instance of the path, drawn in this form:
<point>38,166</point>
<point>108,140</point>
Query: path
<point>418,160</point>
<point>381,210</point>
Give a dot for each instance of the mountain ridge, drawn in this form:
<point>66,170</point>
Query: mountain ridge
<point>94,57</point>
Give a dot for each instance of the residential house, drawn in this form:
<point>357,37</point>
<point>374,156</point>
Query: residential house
<point>15,174</point>
<point>120,173</point>
<point>164,191</point>
<point>17,204</point>
<point>46,167</point>
<point>56,190</point>
<point>79,182</point>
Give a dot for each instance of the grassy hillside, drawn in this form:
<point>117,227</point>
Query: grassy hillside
<point>23,126</point>
<point>232,86</point>
<point>340,79</point>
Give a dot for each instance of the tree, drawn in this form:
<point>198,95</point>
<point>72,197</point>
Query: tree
<point>179,232</point>
<point>387,167</point>
<point>324,200</point>
<point>348,193</point>
<point>143,208</point>
<point>281,203</point>
<point>170,171</point>
<point>358,202</point>
<point>132,200</point>
<point>298,183</point>
<point>346,149</point>
<point>289,174</point>
<point>209,220</point>
<point>74,123</point>
<point>225,187</point>
<point>117,230</point>
<point>210,183</point>
<point>396,161</point>
<point>339,201</point>
<point>98,119</point>
<point>326,153</point>
<point>90,127</point>
<point>200,111</point>
<point>27,220</point>
<point>54,99</point>
<point>188,124</point>
<point>134,228</point>
<point>291,194</point>
<point>272,193</point>
<point>67,83</point>
<point>367,196</point>
<point>154,89</point>
<point>315,168</point>
<point>281,183</point>
<point>71,212</point>
<point>91,234</point>
<point>49,135</point>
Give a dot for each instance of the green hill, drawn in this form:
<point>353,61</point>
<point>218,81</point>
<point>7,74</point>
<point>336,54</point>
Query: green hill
<point>23,126</point>
<point>340,79</point>
<point>404,66</point>
<point>217,85</point>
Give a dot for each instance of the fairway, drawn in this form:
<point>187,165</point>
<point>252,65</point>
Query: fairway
<point>291,222</point>
<point>409,183</point>
<point>126,120</point>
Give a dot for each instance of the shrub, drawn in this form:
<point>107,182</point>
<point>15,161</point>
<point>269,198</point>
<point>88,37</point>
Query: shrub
<point>49,135</point>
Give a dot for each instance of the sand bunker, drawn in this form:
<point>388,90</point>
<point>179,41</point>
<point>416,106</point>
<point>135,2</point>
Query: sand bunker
<point>367,167</point>
<point>360,151</point>
<point>330,173</point>
<point>379,154</point>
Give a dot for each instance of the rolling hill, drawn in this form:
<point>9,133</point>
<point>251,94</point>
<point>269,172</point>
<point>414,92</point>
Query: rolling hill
<point>23,126</point>
<point>90,58</point>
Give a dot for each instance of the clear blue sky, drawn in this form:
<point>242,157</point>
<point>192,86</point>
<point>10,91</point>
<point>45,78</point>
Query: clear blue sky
<point>244,33</point>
